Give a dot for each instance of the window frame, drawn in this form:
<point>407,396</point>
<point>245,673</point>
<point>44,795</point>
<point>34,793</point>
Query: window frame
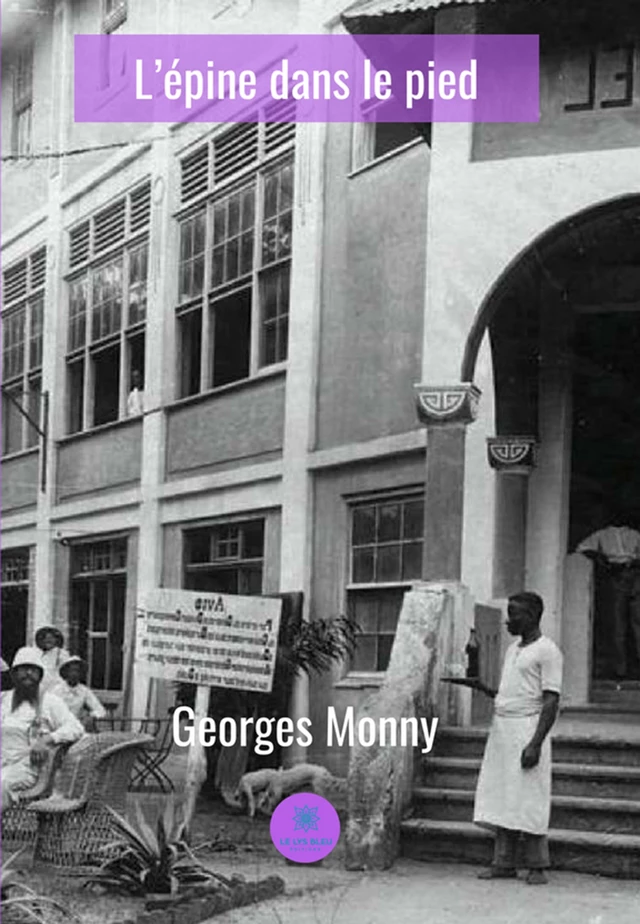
<point>360,589</point>
<point>251,177</point>
<point>219,563</point>
<point>84,347</point>
<point>26,382</point>
<point>363,139</point>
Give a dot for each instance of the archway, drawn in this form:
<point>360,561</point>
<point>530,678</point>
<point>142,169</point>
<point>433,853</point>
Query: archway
<point>564,328</point>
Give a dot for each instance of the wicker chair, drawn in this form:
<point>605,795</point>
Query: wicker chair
<point>19,826</point>
<point>75,827</point>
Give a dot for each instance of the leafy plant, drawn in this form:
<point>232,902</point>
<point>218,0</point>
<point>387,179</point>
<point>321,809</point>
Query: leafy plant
<point>19,903</point>
<point>148,861</point>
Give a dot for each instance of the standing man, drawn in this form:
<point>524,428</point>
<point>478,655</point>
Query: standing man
<point>513,797</point>
<point>33,722</point>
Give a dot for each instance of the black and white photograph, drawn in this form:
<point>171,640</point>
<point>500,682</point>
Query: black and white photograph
<point>320,474</point>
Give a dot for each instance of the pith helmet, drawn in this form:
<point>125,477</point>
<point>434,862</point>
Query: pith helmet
<point>31,656</point>
<point>54,630</point>
<point>74,659</point>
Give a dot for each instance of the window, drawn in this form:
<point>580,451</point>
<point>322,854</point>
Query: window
<point>98,606</point>
<point>385,556</point>
<point>23,101</point>
<point>22,326</point>
<point>15,600</point>
<point>227,558</point>
<point>114,13</point>
<point>107,308</point>
<point>235,254</point>
<point>374,138</point>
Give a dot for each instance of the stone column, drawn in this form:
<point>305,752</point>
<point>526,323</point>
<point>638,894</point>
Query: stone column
<point>446,410</point>
<point>513,459</point>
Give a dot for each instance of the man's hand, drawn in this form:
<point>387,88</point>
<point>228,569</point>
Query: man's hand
<point>530,756</point>
<point>40,751</point>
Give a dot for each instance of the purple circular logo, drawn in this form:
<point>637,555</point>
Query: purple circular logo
<point>305,827</point>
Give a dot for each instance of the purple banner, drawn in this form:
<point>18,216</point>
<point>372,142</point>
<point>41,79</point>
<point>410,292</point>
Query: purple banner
<point>306,78</point>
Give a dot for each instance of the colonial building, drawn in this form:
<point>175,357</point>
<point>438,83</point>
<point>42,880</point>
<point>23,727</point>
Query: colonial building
<point>219,331</point>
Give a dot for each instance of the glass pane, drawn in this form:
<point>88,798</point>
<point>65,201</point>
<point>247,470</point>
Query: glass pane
<point>198,275</point>
<point>218,265</point>
<point>98,655</point>
<point>389,611</point>
<point>248,208</point>
<point>284,235</point>
<point>412,561</point>
<point>269,241</point>
<point>250,581</point>
<point>232,259</point>
<point>198,546</point>
<point>220,222</point>
<point>246,253</point>
<point>364,609</point>
<point>269,344</point>
<point>389,522</point>
<point>388,568</point>
<point>385,644</point>
<point>185,240</point>
<point>269,300</point>
<point>100,607</point>
<point>253,540</point>
<point>116,635</point>
<point>362,566</point>
<point>413,519</point>
<point>199,233</point>
<point>271,195</point>
<point>234,216</point>
<point>364,658</point>
<point>283,337</point>
<point>79,622</point>
<point>286,187</point>
<point>364,525</point>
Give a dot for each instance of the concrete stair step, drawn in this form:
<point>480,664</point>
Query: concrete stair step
<point>596,852</point>
<point>620,816</point>
<point>582,749</point>
<point>569,779</point>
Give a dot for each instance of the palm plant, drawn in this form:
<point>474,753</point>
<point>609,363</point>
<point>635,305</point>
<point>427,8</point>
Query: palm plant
<point>148,861</point>
<point>19,904</point>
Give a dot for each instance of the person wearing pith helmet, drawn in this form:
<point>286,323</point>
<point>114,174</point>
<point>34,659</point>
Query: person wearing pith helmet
<point>73,691</point>
<point>50,641</point>
<point>33,722</point>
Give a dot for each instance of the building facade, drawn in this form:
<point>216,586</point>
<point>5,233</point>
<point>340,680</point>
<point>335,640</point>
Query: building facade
<point>219,331</point>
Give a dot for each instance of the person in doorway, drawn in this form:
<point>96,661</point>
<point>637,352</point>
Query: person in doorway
<point>513,796</point>
<point>79,698</point>
<point>33,722</point>
<point>135,400</point>
<point>50,641</point>
<point>616,549</point>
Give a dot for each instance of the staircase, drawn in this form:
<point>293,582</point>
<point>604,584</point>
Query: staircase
<point>595,813</point>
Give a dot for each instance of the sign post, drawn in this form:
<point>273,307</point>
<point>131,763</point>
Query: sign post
<point>210,640</point>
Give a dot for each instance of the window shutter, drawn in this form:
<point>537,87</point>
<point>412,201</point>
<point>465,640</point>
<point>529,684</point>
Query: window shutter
<point>283,131</point>
<point>79,242</point>
<point>235,150</point>
<point>140,208</point>
<point>14,282</point>
<point>194,173</point>
<point>109,227</point>
<point>38,268</point>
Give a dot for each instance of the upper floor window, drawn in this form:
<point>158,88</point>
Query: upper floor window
<point>107,292</point>
<point>23,101</point>
<point>235,255</point>
<point>374,138</point>
<point>227,558</point>
<point>114,13</point>
<point>385,556</point>
<point>22,337</point>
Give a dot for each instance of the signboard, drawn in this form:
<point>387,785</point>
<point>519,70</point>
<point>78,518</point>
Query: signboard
<point>212,640</point>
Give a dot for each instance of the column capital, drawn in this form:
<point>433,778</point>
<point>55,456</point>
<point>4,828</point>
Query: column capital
<point>512,455</point>
<point>442,405</point>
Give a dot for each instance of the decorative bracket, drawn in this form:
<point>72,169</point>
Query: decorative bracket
<point>513,455</point>
<point>439,405</point>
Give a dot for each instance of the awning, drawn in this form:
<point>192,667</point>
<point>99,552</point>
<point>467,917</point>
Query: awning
<point>367,16</point>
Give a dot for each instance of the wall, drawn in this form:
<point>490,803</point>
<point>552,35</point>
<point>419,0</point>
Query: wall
<point>372,293</point>
<point>242,424</point>
<point>20,480</point>
<point>107,457</point>
<point>330,573</point>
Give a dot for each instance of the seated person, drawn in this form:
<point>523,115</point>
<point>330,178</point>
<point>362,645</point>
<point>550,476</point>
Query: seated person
<point>72,690</point>
<point>33,722</point>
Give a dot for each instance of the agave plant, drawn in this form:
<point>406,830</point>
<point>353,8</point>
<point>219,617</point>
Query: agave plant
<point>19,903</point>
<point>144,861</point>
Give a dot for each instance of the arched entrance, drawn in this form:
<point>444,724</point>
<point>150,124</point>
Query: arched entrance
<point>564,328</point>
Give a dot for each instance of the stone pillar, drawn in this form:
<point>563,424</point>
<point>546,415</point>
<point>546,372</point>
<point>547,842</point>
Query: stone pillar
<point>513,458</point>
<point>446,410</point>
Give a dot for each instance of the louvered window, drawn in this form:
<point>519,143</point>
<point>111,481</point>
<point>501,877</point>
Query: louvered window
<point>22,342</point>
<point>108,260</point>
<point>235,252</point>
